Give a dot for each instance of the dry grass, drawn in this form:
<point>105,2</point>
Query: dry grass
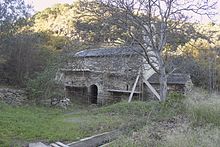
<point>206,136</point>
<point>203,110</point>
<point>203,107</point>
<point>197,126</point>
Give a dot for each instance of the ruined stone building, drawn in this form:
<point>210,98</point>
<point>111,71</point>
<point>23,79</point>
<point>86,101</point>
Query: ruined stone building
<point>100,76</point>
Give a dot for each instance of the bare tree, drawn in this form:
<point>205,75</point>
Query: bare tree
<point>10,12</point>
<point>157,18</point>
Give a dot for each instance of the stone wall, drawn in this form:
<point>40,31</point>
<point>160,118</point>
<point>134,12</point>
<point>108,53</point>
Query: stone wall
<point>114,72</point>
<point>121,64</point>
<point>12,96</point>
<point>179,88</point>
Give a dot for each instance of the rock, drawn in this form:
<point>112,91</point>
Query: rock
<point>12,96</point>
<point>1,95</point>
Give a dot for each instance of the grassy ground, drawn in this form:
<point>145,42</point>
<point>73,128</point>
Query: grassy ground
<point>20,125</point>
<point>23,124</point>
<point>180,121</point>
<point>188,122</point>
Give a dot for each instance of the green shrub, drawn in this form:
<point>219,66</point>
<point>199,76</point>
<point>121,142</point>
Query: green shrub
<point>173,100</point>
<point>43,86</point>
<point>173,105</point>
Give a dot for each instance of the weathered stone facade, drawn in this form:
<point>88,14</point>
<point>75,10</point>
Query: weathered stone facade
<point>103,75</point>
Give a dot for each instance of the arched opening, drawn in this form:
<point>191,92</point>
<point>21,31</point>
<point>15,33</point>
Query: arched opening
<point>93,94</point>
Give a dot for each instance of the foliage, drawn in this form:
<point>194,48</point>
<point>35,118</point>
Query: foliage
<point>201,58</point>
<point>82,21</point>
<point>22,58</point>
<point>12,17</point>
<point>23,52</point>
<point>90,22</point>
<point>157,19</point>
<point>26,54</point>
<point>173,105</point>
<point>43,86</point>
<point>174,100</point>
<point>12,10</point>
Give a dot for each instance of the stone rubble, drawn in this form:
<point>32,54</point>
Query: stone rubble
<point>12,96</point>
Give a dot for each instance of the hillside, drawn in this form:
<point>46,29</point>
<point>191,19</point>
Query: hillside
<point>81,21</point>
<point>92,21</point>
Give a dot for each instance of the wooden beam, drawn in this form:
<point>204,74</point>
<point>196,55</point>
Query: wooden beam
<point>152,89</point>
<point>96,140</point>
<point>61,144</point>
<point>122,91</point>
<point>134,86</point>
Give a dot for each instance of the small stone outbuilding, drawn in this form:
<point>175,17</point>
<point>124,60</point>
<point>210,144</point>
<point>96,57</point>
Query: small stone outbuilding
<point>176,82</point>
<point>104,75</point>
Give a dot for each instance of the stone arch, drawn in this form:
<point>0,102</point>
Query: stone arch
<point>93,90</point>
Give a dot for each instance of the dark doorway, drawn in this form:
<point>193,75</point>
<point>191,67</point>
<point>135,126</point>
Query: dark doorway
<point>77,94</point>
<point>93,94</point>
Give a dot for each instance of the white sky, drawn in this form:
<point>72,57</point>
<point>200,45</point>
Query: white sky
<point>42,4</point>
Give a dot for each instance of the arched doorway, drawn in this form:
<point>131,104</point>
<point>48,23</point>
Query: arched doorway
<point>93,94</point>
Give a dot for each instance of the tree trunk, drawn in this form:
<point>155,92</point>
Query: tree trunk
<point>210,75</point>
<point>163,84</point>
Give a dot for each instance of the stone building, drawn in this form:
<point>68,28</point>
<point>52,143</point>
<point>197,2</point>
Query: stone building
<point>100,76</point>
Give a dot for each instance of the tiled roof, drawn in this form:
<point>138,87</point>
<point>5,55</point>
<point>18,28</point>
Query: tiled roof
<point>175,78</point>
<point>109,52</point>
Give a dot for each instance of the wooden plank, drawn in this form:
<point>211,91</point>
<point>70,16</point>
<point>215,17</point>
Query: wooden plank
<point>37,144</point>
<point>123,91</point>
<point>152,89</point>
<point>54,145</point>
<point>61,144</point>
<point>134,86</point>
<point>106,145</point>
<point>96,140</point>
<point>79,70</point>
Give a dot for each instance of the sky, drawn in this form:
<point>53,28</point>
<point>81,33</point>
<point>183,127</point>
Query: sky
<point>42,4</point>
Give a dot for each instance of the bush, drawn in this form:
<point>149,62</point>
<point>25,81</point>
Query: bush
<point>173,105</point>
<point>44,85</point>
<point>173,100</point>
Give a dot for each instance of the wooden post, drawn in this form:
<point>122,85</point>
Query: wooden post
<point>134,86</point>
<point>152,89</point>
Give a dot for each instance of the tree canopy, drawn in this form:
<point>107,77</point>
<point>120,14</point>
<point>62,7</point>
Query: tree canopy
<point>27,43</point>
